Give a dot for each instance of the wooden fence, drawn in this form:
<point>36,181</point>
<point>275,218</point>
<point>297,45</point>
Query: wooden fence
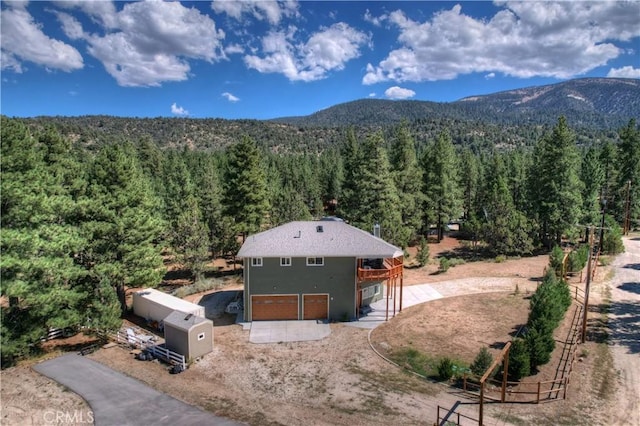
<point>545,390</point>
<point>453,416</point>
<point>149,345</point>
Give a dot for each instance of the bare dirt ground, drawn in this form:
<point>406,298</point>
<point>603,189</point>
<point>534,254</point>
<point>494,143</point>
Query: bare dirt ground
<point>340,380</point>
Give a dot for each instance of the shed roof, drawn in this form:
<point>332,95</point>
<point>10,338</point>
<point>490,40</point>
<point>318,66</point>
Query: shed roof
<point>317,238</point>
<point>183,321</point>
<point>168,300</point>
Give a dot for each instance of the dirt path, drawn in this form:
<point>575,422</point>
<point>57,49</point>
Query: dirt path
<point>624,324</point>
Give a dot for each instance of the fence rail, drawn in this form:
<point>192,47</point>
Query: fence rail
<point>149,345</point>
<point>544,390</point>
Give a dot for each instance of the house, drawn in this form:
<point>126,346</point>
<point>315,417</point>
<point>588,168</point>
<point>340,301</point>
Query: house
<point>188,334</point>
<point>324,270</point>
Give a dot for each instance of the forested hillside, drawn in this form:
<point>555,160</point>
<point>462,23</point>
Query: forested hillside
<point>83,220</point>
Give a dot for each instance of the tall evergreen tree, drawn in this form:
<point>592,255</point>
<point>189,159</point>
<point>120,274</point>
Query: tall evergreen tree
<point>42,275</point>
<point>123,224</point>
<point>407,176</point>
<point>349,206</point>
<point>245,187</point>
<point>378,194</point>
<point>506,229</point>
<point>592,177</point>
<point>190,238</point>
<point>628,182</point>
<point>555,184</point>
<point>440,182</point>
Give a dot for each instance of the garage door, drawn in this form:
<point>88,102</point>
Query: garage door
<point>315,306</point>
<point>283,307</point>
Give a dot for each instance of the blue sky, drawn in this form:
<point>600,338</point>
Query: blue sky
<point>266,59</point>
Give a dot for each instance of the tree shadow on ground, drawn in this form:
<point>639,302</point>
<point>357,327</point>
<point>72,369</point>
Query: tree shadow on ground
<point>635,266</point>
<point>619,327</point>
<point>630,287</point>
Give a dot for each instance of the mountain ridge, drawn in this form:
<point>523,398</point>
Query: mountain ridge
<point>592,102</point>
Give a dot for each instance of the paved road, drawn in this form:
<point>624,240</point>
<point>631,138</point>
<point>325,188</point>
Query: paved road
<point>624,324</point>
<point>119,400</point>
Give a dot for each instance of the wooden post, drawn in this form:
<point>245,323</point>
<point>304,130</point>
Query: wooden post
<point>586,291</point>
<point>538,396</point>
<point>401,285</point>
<point>505,368</point>
<point>480,419</point>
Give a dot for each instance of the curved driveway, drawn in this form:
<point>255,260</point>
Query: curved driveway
<point>119,400</point>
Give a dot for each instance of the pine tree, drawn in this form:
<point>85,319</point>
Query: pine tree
<point>555,185</point>
<point>190,238</point>
<point>628,182</point>
<point>592,177</point>
<point>407,176</point>
<point>245,187</point>
<point>349,206</point>
<point>440,182</point>
<point>506,230</point>
<point>378,195</point>
<point>123,224</point>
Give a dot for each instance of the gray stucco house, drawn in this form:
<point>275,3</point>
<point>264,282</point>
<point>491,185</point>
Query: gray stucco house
<point>324,270</point>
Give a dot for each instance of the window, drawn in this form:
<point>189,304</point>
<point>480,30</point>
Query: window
<point>256,261</point>
<point>377,290</point>
<point>200,336</point>
<point>315,261</point>
<point>285,261</point>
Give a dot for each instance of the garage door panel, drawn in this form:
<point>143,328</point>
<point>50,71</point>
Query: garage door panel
<point>269,308</point>
<point>315,306</point>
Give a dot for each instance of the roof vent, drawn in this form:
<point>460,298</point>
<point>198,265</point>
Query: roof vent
<point>188,317</point>
<point>319,228</point>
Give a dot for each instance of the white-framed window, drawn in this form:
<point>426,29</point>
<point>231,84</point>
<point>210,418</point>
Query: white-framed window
<point>256,261</point>
<point>200,336</point>
<point>285,261</point>
<point>377,289</point>
<point>315,261</point>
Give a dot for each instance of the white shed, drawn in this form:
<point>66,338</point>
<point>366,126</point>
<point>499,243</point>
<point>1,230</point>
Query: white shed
<point>154,305</point>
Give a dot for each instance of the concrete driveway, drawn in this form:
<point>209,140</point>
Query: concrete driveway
<point>287,331</point>
<point>120,400</point>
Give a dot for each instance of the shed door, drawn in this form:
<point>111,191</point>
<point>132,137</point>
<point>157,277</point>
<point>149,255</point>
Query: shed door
<point>315,306</point>
<point>283,307</point>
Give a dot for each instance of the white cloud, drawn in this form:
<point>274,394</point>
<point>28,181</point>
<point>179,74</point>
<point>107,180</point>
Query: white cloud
<point>524,39</point>
<point>375,20</point>
<point>396,92</point>
<point>148,43</point>
<point>326,50</point>
<point>22,39</point>
<point>230,97</point>
<point>178,110</point>
<point>233,49</point>
<point>372,94</point>
<point>624,72</point>
<point>271,11</point>
<point>490,75</point>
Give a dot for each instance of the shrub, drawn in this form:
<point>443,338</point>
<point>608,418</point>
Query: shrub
<point>555,259</point>
<point>519,364</point>
<point>445,369</point>
<point>612,238</point>
<point>423,252</point>
<point>540,345</point>
<point>483,360</point>
<point>578,258</point>
<point>500,258</point>
<point>444,264</point>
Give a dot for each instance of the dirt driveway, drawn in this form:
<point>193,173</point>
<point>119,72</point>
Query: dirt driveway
<point>624,323</point>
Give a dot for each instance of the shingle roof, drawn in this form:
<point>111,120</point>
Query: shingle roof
<point>183,321</point>
<point>317,238</point>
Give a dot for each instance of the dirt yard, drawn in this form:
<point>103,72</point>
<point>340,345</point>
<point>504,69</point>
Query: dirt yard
<point>341,380</point>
